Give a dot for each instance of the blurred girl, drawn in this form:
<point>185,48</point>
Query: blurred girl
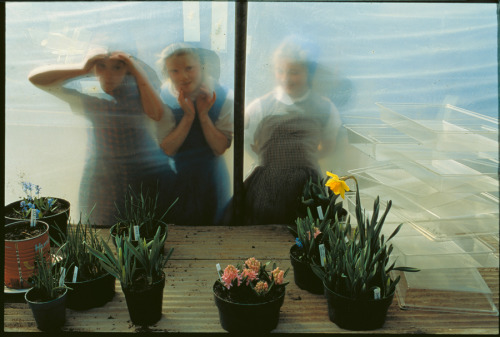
<point>288,130</point>
<point>197,131</point>
<point>121,148</point>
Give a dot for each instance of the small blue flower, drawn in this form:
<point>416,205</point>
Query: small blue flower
<point>298,243</point>
<point>50,202</point>
<point>37,213</point>
<point>38,189</point>
<point>23,203</point>
<point>30,205</point>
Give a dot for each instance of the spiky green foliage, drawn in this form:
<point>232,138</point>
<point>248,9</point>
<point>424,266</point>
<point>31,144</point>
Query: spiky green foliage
<point>45,279</point>
<point>140,209</point>
<point>357,262</point>
<point>315,194</point>
<point>74,250</point>
<point>135,266</point>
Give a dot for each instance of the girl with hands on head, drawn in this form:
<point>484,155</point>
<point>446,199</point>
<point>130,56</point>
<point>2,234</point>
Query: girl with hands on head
<point>121,150</point>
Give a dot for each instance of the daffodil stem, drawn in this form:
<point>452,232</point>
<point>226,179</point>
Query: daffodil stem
<point>344,178</point>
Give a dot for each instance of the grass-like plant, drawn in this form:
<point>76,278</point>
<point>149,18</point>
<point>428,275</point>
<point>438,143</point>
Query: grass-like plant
<point>45,280</point>
<point>140,209</point>
<point>136,267</point>
<point>357,262</point>
<point>74,250</point>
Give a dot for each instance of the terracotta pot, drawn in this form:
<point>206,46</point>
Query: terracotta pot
<point>51,315</point>
<point>60,219</point>
<point>20,255</point>
<point>257,318</point>
<point>303,275</point>
<point>91,293</point>
<point>353,314</point>
<point>145,306</point>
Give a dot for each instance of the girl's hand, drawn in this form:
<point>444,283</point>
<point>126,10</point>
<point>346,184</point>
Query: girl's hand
<point>205,101</point>
<point>92,57</point>
<point>124,57</point>
<point>186,104</point>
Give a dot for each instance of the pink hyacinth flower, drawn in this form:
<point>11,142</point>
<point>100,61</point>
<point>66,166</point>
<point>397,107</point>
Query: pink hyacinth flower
<point>278,275</point>
<point>261,287</point>
<point>230,274</point>
<point>253,264</point>
<point>250,274</point>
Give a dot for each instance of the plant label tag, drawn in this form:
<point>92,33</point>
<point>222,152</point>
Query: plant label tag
<point>33,218</point>
<point>75,274</point>
<point>63,276</point>
<point>136,233</point>
<point>320,213</point>
<point>376,293</point>
<point>322,254</point>
<point>219,270</point>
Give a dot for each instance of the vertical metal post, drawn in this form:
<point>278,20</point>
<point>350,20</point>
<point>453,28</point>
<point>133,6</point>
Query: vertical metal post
<point>239,107</point>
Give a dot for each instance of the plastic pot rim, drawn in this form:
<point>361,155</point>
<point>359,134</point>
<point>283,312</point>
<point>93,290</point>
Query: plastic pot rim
<point>247,304</point>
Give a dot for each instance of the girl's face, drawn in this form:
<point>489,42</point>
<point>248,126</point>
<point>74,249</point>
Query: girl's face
<point>110,73</point>
<point>292,76</point>
<point>185,72</point>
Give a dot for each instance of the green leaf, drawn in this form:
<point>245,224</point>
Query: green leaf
<point>395,232</point>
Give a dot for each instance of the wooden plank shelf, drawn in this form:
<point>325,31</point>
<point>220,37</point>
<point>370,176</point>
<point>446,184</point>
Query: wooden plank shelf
<point>188,304</point>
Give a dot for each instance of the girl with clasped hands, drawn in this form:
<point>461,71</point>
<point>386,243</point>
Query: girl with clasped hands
<point>195,134</point>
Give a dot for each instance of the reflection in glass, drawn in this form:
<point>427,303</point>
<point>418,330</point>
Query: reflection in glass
<point>288,130</point>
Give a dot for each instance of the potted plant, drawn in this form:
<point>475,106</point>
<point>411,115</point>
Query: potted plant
<point>248,294</point>
<point>23,240</point>
<point>140,211</point>
<point>53,211</point>
<point>321,200</point>
<point>309,231</point>
<point>306,250</point>
<point>47,298</point>
<point>93,286</point>
<point>356,273</point>
<point>140,272</point>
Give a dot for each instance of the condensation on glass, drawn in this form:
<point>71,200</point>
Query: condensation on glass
<point>346,56</point>
<point>89,126</point>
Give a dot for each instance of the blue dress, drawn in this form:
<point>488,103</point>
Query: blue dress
<point>202,180</point>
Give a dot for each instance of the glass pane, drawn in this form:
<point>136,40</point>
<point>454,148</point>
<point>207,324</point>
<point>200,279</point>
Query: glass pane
<point>352,55</point>
<point>85,140</point>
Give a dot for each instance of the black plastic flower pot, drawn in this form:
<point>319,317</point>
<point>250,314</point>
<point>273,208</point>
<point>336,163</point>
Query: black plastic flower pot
<point>59,219</point>
<point>92,293</point>
<point>303,275</point>
<point>145,306</point>
<point>354,314</point>
<point>260,317</point>
<point>51,315</point>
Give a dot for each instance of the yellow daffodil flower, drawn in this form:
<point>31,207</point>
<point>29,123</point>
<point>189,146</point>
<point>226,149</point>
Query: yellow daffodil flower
<point>337,185</point>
